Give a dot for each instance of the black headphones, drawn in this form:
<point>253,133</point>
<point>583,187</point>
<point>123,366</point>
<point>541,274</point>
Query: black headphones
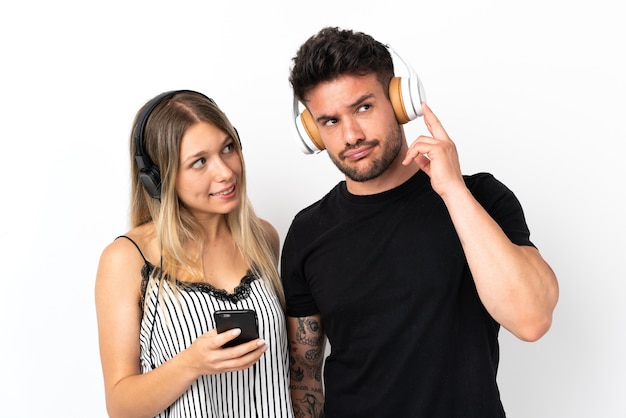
<point>406,95</point>
<point>149,173</point>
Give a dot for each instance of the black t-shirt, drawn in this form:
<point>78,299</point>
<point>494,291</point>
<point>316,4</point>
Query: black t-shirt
<point>409,336</point>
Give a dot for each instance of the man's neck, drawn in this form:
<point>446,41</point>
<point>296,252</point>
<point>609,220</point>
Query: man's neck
<point>394,176</point>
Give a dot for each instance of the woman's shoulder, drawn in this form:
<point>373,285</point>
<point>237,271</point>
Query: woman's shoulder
<point>121,263</point>
<point>268,228</point>
<point>271,234</point>
<point>138,244</point>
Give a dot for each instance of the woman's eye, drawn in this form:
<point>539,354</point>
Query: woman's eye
<point>229,148</point>
<point>198,163</point>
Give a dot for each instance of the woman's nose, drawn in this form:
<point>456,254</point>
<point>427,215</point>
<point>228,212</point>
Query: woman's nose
<point>221,170</point>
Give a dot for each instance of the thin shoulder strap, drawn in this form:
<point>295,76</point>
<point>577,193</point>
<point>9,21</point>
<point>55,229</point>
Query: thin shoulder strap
<point>136,246</point>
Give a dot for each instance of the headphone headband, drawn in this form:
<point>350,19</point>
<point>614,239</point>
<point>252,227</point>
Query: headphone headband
<point>141,156</point>
<point>406,94</point>
<point>149,173</point>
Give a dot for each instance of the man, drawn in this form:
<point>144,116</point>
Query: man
<point>408,266</point>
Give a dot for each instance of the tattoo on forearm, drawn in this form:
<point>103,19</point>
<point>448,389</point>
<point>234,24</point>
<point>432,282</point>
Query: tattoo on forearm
<point>317,373</point>
<point>313,355</point>
<point>308,326</point>
<point>308,333</point>
<point>309,405</point>
<point>302,368</point>
<point>297,374</point>
<point>306,358</point>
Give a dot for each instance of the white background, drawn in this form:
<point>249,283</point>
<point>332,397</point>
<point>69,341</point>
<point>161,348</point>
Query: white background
<point>531,91</point>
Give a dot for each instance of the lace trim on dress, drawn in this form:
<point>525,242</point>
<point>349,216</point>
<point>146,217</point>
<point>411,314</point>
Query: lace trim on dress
<point>241,292</point>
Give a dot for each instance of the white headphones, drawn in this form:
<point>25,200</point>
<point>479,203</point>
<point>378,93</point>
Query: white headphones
<point>406,95</point>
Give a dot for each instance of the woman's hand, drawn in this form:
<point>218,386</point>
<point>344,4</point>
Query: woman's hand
<point>207,356</point>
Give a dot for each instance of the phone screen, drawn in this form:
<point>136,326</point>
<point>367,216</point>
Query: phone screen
<point>244,319</point>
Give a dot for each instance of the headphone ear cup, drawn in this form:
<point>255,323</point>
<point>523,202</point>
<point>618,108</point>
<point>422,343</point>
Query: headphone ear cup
<point>150,177</point>
<point>397,100</point>
<point>311,129</point>
<point>406,97</point>
<point>310,138</point>
<point>238,137</point>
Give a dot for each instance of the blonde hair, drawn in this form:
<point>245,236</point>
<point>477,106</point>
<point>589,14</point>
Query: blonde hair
<point>175,225</point>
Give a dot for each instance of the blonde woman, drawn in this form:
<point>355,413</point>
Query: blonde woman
<point>196,247</point>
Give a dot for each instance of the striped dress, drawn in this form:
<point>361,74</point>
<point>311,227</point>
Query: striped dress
<point>172,320</point>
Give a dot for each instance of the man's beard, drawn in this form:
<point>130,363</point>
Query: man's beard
<point>391,149</point>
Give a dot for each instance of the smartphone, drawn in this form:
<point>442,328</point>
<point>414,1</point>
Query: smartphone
<point>244,319</point>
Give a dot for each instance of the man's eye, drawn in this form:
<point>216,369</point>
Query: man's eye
<point>330,122</point>
<point>365,107</point>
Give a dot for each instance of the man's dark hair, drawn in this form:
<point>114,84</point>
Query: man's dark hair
<point>333,52</point>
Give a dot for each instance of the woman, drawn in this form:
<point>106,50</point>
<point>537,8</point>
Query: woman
<point>196,246</point>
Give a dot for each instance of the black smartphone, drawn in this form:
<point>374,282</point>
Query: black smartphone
<point>244,319</point>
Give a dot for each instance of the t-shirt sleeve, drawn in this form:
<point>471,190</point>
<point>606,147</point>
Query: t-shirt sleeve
<point>299,299</point>
<point>503,206</point>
